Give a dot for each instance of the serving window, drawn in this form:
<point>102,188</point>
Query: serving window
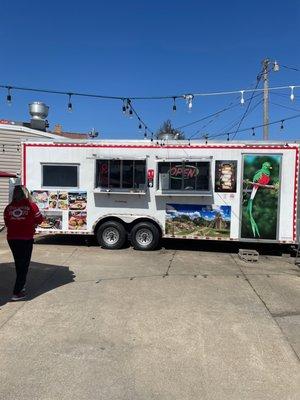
<point>121,174</point>
<point>184,176</point>
<point>60,175</point>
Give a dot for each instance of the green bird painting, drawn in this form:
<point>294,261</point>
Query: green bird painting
<point>260,179</point>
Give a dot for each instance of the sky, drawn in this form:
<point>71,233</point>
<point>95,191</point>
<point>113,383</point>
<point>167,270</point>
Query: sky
<point>143,48</point>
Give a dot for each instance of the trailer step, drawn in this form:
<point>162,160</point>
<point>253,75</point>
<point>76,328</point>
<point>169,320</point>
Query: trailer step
<point>248,255</point>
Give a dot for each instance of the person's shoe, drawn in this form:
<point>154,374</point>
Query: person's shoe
<point>19,296</point>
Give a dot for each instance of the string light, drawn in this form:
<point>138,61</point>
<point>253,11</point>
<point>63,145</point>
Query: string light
<point>70,106</point>
<point>8,97</point>
<point>189,101</point>
<point>275,66</point>
<point>124,107</point>
<point>242,97</point>
<point>174,105</point>
<point>253,132</point>
<point>145,133</point>
<point>140,127</point>
<point>227,137</point>
<point>281,126</point>
<point>292,96</point>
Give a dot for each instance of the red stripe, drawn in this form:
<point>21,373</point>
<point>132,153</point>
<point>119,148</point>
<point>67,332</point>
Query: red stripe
<point>295,194</point>
<point>24,166</point>
<point>126,146</point>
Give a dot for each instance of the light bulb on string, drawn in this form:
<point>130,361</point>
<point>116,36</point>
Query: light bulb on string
<point>8,97</point>
<point>276,66</point>
<point>281,126</point>
<point>292,96</point>
<point>140,127</point>
<point>145,133</point>
<point>124,107</point>
<point>242,97</point>
<point>70,106</point>
<point>130,113</point>
<point>253,132</point>
<point>227,137</point>
<point>174,105</point>
<point>189,101</point>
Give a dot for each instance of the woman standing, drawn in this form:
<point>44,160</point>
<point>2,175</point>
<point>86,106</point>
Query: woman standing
<point>21,217</point>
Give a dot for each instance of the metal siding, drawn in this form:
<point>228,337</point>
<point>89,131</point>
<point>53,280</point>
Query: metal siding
<point>10,158</point>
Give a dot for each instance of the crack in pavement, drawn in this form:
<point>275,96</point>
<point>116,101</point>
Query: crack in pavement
<point>170,263</point>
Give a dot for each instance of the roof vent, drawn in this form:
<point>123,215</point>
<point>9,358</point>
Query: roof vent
<point>38,110</point>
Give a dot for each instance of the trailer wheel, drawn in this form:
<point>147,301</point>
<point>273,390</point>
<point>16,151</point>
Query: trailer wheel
<point>111,235</point>
<point>145,236</point>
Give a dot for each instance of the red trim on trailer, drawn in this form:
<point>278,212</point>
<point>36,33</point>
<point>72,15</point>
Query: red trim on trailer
<point>24,166</point>
<point>134,146</point>
<point>295,194</point>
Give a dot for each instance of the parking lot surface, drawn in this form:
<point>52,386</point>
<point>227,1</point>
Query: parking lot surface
<point>177,323</point>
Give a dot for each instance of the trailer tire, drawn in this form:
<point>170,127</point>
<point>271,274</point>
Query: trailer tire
<point>145,236</point>
<point>111,235</point>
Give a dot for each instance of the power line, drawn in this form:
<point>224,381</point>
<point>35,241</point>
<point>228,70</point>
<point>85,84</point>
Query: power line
<point>256,126</point>
<point>281,105</point>
<point>292,68</point>
<point>248,105</point>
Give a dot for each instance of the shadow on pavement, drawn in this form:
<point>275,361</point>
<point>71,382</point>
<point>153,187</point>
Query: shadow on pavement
<point>177,244</point>
<point>41,278</point>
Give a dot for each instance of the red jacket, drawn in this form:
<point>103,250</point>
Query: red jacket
<point>21,218</point>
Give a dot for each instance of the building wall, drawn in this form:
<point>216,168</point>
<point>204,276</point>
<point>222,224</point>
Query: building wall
<point>10,155</point>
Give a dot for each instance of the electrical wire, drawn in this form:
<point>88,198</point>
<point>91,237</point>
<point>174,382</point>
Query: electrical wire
<point>248,105</point>
<point>288,108</point>
<point>292,68</point>
<point>256,126</point>
<point>123,98</point>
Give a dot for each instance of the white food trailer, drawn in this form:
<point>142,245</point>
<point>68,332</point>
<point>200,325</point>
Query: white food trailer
<point>145,190</point>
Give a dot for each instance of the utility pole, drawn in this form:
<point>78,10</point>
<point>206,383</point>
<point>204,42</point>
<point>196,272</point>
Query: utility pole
<point>265,73</point>
<point>265,64</point>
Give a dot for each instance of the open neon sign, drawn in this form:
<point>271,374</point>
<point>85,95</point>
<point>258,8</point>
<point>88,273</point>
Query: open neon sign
<point>186,172</point>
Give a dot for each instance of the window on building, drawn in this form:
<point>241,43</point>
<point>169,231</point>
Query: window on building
<point>178,175</point>
<point>121,174</point>
<point>60,175</point>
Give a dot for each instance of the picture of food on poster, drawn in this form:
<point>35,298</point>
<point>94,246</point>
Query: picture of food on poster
<point>77,220</point>
<point>52,220</point>
<point>41,198</point>
<point>198,220</point>
<point>77,200</point>
<point>62,201</point>
<point>261,184</point>
<point>225,176</point>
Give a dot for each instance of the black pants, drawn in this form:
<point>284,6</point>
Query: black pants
<point>22,250</point>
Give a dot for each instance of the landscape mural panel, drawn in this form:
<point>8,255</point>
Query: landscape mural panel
<point>198,220</point>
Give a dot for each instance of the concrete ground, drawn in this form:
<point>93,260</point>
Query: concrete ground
<point>170,324</point>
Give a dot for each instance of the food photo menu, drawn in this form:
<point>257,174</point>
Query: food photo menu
<point>53,203</point>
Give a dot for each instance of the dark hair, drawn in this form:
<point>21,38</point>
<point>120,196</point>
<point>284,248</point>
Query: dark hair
<point>20,193</point>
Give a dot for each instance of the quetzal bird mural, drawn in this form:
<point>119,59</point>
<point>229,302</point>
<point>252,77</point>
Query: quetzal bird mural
<point>261,177</point>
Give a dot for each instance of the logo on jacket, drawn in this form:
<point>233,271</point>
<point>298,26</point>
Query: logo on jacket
<point>17,212</point>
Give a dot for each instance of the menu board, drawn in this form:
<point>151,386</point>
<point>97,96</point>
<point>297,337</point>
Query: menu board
<point>53,203</point>
<point>225,176</point>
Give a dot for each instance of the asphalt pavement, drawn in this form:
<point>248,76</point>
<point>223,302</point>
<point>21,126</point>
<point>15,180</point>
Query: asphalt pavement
<point>183,322</point>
